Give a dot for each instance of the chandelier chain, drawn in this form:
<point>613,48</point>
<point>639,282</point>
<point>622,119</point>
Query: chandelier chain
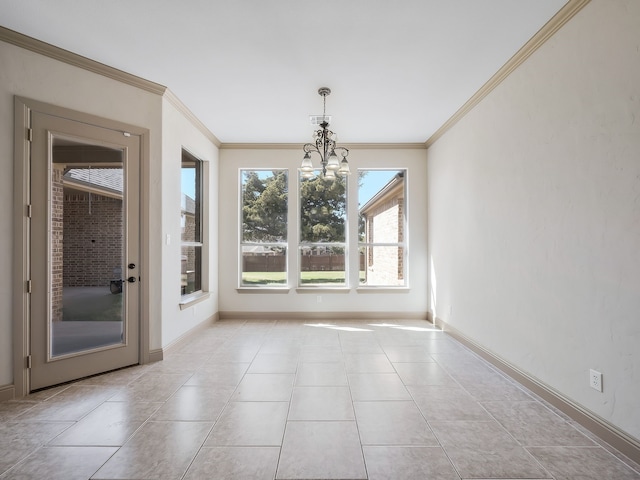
<point>324,108</point>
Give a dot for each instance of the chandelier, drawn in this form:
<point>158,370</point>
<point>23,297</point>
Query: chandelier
<point>324,144</point>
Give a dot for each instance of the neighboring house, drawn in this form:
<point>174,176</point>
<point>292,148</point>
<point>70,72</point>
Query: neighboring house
<point>86,228</point>
<point>188,229</point>
<point>92,227</point>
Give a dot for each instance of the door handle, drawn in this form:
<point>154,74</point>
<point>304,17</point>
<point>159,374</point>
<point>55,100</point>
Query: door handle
<point>131,266</point>
<point>131,279</point>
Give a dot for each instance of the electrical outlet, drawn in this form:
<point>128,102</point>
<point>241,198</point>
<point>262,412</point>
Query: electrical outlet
<point>595,380</point>
<point>319,299</point>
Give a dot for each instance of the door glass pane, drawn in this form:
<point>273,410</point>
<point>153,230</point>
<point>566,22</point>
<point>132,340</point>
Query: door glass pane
<point>87,247</point>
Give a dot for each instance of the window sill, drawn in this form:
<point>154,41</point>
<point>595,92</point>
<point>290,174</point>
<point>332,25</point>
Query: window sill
<point>322,289</point>
<point>382,289</point>
<point>263,290</point>
<point>189,300</point>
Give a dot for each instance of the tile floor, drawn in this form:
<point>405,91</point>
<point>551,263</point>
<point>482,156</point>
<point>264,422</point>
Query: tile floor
<point>295,400</point>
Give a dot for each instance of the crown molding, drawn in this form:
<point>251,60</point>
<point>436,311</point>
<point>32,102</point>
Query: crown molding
<point>565,14</point>
<point>70,58</point>
<point>298,146</point>
<point>547,31</point>
<point>195,121</point>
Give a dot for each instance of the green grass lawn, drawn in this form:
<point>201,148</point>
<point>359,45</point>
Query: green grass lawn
<point>313,278</point>
<point>280,278</point>
<point>264,278</point>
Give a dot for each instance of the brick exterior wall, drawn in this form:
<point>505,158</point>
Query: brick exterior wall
<point>189,235</point>
<point>93,239</point>
<point>401,239</point>
<point>57,239</point>
<point>385,224</point>
<point>191,255</point>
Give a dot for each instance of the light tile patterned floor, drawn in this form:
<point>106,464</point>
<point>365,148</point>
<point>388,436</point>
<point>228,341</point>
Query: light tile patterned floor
<point>295,400</point>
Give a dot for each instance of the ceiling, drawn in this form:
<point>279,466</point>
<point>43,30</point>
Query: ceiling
<point>250,69</point>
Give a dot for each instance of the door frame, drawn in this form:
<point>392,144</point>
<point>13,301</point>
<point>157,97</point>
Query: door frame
<point>21,236</point>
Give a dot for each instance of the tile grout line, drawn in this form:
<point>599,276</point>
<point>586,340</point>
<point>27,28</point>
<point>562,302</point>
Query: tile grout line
<point>353,409</point>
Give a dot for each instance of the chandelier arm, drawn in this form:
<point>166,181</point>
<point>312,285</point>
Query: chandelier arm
<point>343,149</point>
<point>310,148</point>
<point>320,144</point>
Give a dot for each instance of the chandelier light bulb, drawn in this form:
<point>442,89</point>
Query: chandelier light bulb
<point>332,163</point>
<point>344,167</point>
<point>306,166</point>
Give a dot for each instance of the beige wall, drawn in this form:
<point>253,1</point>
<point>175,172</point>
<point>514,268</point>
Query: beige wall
<point>410,302</point>
<point>34,76</point>
<point>179,133</point>
<point>31,75</point>
<point>534,215</point>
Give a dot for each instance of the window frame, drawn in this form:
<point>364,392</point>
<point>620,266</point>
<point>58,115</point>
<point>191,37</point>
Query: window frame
<point>402,244</point>
<point>303,244</point>
<point>198,242</point>
<point>274,244</point>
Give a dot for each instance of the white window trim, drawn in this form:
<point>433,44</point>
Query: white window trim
<point>271,288</point>
<point>363,288</point>
<point>192,298</point>
<point>317,287</point>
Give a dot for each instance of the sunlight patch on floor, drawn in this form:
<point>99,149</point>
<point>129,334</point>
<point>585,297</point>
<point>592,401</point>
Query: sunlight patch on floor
<point>336,327</point>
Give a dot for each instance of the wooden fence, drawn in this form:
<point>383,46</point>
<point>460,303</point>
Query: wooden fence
<point>309,263</point>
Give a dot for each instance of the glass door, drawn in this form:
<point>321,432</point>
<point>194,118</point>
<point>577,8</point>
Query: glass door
<point>84,250</point>
<point>87,250</point>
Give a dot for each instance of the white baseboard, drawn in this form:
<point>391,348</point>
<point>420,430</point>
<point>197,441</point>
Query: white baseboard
<point>7,392</point>
<point>331,316</point>
<point>158,354</point>
<point>612,435</point>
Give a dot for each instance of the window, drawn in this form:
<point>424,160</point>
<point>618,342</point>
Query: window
<point>323,220</point>
<point>382,227</point>
<point>191,225</point>
<point>263,239</point>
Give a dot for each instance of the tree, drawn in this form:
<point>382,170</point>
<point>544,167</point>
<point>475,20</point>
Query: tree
<point>361,220</point>
<point>264,206</point>
<point>322,210</point>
